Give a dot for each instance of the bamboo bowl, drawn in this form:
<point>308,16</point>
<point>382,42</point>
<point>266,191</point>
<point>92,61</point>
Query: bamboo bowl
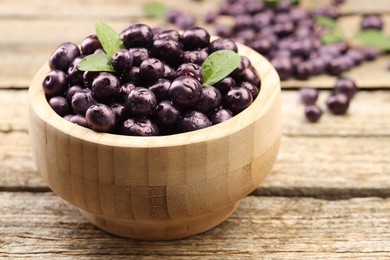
<point>158,188</point>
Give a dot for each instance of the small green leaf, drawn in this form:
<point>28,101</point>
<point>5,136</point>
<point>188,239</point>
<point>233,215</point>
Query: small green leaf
<point>374,38</point>
<point>325,21</point>
<point>154,9</point>
<point>218,65</point>
<point>109,39</point>
<point>96,62</point>
<point>331,37</point>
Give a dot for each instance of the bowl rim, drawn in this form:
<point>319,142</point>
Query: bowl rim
<point>268,95</point>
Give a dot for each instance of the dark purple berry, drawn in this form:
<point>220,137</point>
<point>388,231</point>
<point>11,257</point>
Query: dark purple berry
<point>251,76</point>
<point>167,50</point>
<point>313,113</point>
<point>308,96</point>
<point>137,35</point>
<point>197,57</point>
<point>210,16</point>
<point>75,76</point>
<point>220,115</point>
<point>160,89</point>
<point>345,86</point>
<point>100,118</point>
<point>63,56</point>
<point>304,70</point>
<point>151,70</point>
<point>195,38</point>
<point>60,105</point>
<point>283,66</point>
<point>237,99</point>
<point>225,84</point>
<point>193,120</point>
<point>139,55</point>
<point>172,14</point>
<point>105,87</point>
<point>118,110</point>
<point>125,90</point>
<point>169,72</point>
<point>252,88</point>
<point>90,44</point>
<point>185,91</point>
<point>185,21</point>
<point>168,34</point>
<point>372,21</point>
<point>210,100</point>
<point>338,104</point>
<point>55,83</point>
<point>141,102</point>
<point>139,127</point>
<point>122,60</point>
<point>190,70</point>
<point>89,77</point>
<point>79,120</point>
<point>71,91</point>
<point>222,44</point>
<point>166,113</point>
<point>81,101</point>
<point>370,52</point>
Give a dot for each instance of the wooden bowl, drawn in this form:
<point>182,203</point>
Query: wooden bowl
<point>158,188</point>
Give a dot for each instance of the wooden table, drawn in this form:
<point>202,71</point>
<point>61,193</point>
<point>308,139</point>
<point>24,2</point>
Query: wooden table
<point>328,196</point>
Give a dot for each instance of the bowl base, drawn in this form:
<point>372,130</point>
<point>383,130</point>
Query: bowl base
<point>164,230</point>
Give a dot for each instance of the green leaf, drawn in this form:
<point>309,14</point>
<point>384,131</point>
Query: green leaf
<point>96,62</point>
<point>154,9</point>
<point>109,39</point>
<point>331,37</point>
<point>325,21</point>
<point>374,38</point>
<point>218,65</point>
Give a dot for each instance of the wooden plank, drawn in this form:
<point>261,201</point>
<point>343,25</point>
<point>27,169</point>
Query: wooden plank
<point>51,24</point>
<point>40,225</point>
<point>340,156</point>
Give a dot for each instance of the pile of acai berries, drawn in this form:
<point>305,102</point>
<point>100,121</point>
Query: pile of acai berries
<point>155,84</point>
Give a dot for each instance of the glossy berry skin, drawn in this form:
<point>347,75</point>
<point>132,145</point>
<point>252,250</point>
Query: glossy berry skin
<point>193,120</point>
<point>90,44</point>
<point>195,38</point>
<point>283,66</point>
<point>222,44</point>
<point>308,96</point>
<point>185,91</point>
<point>252,88</point>
<point>167,113</point>
<point>225,84</point>
<point>237,99</point>
<point>89,77</point>
<point>55,83</point>
<point>81,101</point>
<point>197,56</point>
<point>242,66</point>
<point>168,34</point>
<point>105,87</point>
<point>220,115</point>
<point>251,76</point>
<point>118,110</point>
<point>210,100</point>
<point>100,118</point>
<point>122,60</point>
<point>313,113</point>
<point>79,120</point>
<point>139,55</point>
<point>60,105</point>
<point>160,89</point>
<point>338,104</point>
<point>169,72</point>
<point>345,86</point>
<point>167,50</point>
<point>139,127</point>
<point>141,102</point>
<point>71,91</point>
<point>125,90</point>
<point>137,35</point>
<point>63,56</point>
<point>190,70</point>
<point>151,70</point>
<point>75,76</point>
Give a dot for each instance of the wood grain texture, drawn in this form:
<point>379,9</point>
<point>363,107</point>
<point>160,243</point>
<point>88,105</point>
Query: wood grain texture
<point>42,226</point>
<point>164,187</point>
<point>48,22</point>
<point>359,168</point>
